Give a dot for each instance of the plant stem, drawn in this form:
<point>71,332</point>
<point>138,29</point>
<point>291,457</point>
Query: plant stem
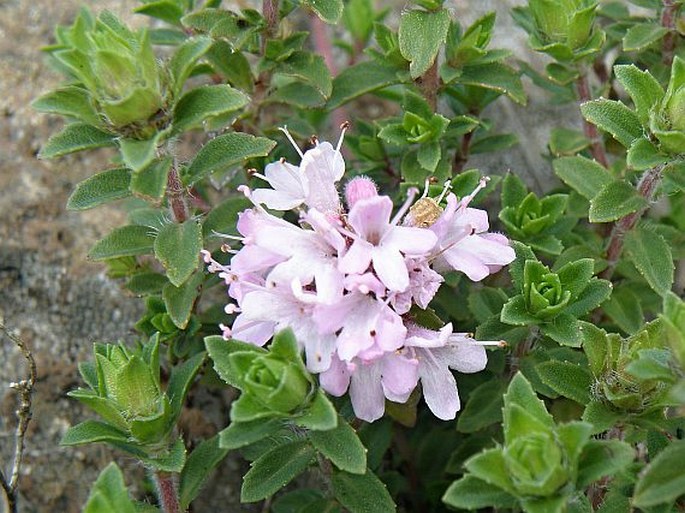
<point>522,350</point>
<point>668,19</point>
<point>462,155</point>
<point>166,489</point>
<point>645,188</point>
<point>270,13</point>
<point>24,413</point>
<point>429,83</point>
<point>176,196</point>
<point>590,130</point>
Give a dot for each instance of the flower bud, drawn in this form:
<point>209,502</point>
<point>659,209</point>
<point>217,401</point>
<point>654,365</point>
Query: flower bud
<point>360,187</point>
<point>535,463</point>
<point>543,292</point>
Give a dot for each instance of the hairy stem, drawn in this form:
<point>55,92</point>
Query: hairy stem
<point>645,188</point>
<point>176,194</point>
<point>462,154</point>
<point>522,349</point>
<point>429,83</point>
<point>270,13</point>
<point>590,130</point>
<point>166,489</point>
<point>25,390</point>
<point>668,19</point>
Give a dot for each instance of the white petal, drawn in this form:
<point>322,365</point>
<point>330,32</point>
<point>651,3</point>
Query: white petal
<point>439,385</point>
<point>366,392</point>
<point>390,267</point>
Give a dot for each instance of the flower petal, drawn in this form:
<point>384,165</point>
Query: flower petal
<point>390,268</point>
<point>336,379</point>
<point>366,392</point>
<point>370,217</point>
<point>438,384</point>
<point>400,376</point>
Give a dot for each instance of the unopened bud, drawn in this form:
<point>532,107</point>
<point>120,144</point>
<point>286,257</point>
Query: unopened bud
<point>360,187</point>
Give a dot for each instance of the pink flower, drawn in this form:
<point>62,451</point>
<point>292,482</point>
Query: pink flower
<point>383,243</point>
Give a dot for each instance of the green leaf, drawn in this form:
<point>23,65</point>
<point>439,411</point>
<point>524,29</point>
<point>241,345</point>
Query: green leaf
<point>354,491</point>
<point>184,59</point>
<point>298,94</point>
<point>75,137</point>
<point>224,217</point>
<point>601,416</point>
<point>497,77</point>
<point>641,35</point>
<point>109,185</point>
<point>328,10</point>
<point>650,253</point>
<point>674,174</point>
<point>310,69</point>
<point>483,407</point>
<point>567,379</point>
<point>342,446</point>
<point>92,431</point>
<point>643,88</point>
<point>615,118</point>
<point>220,350</point>
<point>177,247</point>
<point>171,460</point>
<point>206,102</point>
<point>179,301</point>
<point>563,329</point>
<point>225,152</point>
<point>240,434</point>
<point>71,101</point>
<point>109,493</point>
<point>625,309</point>
<point>564,141</point>
<point>124,241</point>
<point>603,458</point>
<point>138,154</point>
<point>615,200</point>
<point>361,79</point>
<point>428,155</point>
<point>515,312</point>
<point>150,183</point>
<point>521,393</point>
<point>471,493</point>
<point>182,377</point>
<point>165,10</point>
<point>489,466</point>
<point>275,469</point>
<point>146,283</point>
<point>643,155</point>
<point>495,142</point>
<point>585,176</point>
<point>421,35</point>
<point>663,480</point>
<point>204,458</point>
<point>320,415</point>
<point>593,295</point>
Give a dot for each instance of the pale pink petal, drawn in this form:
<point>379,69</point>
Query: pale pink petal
<point>276,200</point>
<point>410,241</point>
<point>357,258</point>
<point>253,332</point>
<point>366,392</point>
<point>370,217</point>
<point>254,259</point>
<point>476,218</point>
<point>464,261</point>
<point>390,330</point>
<point>390,268</point>
<point>336,378</point>
<point>438,384</point>
<point>418,336</point>
<point>400,376</point>
<point>287,179</point>
<point>464,356</point>
<point>322,167</point>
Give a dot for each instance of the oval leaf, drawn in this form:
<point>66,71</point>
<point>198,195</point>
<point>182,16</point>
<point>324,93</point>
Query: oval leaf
<point>206,102</point>
<point>342,446</point>
<point>125,241</point>
<point>615,200</point>
<point>177,247</point>
<point>652,256</point>
<point>421,35</point>
<point>75,137</point>
<point>362,493</point>
<point>615,118</point>
<point>109,185</point>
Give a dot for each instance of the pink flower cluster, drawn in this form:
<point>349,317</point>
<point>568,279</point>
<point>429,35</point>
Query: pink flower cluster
<point>345,280</point>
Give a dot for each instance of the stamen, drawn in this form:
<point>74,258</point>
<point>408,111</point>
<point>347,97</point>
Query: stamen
<point>496,343</point>
<point>481,185</point>
<point>260,176</point>
<point>447,187</point>
<point>343,128</point>
<point>231,308</point>
<point>227,236</point>
<point>411,194</point>
<point>284,129</point>
<point>426,186</point>
<point>314,140</point>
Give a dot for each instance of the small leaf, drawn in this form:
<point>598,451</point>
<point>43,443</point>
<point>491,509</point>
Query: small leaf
<point>615,118</point>
<point>320,415</point>
<point>566,378</point>
<point>421,35</point>
<point>310,69</point>
<point>150,183</point>
<point>593,295</point>
<point>206,102</point>
<point>92,431</point>
<point>328,10</point>
<point>220,350</point>
<point>515,312</point>
<point>171,460</point>
<point>361,79</point>
<point>342,446</point>
<point>109,185</point>
<point>204,458</point>
<point>353,491</point>
<point>177,247</point>
<point>496,76</point>
<point>471,493</point>
<point>615,200</point>
<point>109,493</point>
<point>483,407</point>
<point>75,137</point>
<point>125,241</point>
<point>240,434</point>
<point>182,377</point>
<point>643,155</point>
<point>601,416</point>
<point>165,10</point>
<point>71,101</point>
<point>625,309</point>
<point>275,469</point>
<point>564,141</point>
<point>224,217</point>
<point>603,458</point>
<point>585,176</point>
<point>663,480</point>
<point>225,152</point>
<point>184,59</point>
<point>652,256</point>
<point>563,329</point>
<point>641,35</point>
<point>643,88</point>
<point>179,301</point>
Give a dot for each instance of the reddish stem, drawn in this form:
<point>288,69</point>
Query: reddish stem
<point>590,130</point>
<point>462,155</point>
<point>176,196</point>
<point>168,495</point>
<point>645,188</point>
<point>668,18</point>
<point>429,83</point>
